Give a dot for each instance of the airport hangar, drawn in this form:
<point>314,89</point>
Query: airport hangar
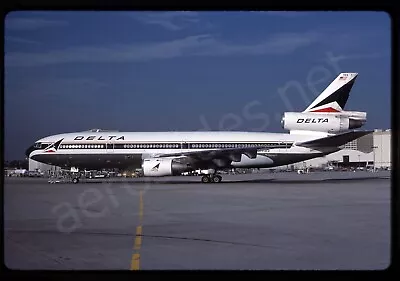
<point>372,150</point>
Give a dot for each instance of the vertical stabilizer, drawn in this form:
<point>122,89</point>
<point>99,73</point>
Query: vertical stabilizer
<point>334,97</point>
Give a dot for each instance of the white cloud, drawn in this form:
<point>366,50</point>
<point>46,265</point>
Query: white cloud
<point>287,14</point>
<point>168,20</point>
<point>342,57</point>
<point>360,56</point>
<point>199,45</point>
<point>20,40</point>
<point>53,87</point>
<point>31,23</point>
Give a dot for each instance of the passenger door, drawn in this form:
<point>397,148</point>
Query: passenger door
<point>109,147</point>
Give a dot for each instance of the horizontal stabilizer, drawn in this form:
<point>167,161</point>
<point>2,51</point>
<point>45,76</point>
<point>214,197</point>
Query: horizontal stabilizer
<point>334,141</point>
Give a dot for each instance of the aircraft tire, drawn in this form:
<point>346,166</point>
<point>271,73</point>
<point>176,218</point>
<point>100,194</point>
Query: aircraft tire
<point>216,179</point>
<point>205,179</point>
<point>75,180</point>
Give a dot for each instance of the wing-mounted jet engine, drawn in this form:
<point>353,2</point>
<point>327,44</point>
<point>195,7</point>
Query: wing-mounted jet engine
<point>164,167</point>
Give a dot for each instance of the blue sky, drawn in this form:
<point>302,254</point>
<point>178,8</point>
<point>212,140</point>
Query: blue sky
<point>161,71</point>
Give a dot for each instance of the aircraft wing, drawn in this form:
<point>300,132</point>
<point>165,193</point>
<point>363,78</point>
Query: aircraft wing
<point>209,154</point>
<point>334,141</point>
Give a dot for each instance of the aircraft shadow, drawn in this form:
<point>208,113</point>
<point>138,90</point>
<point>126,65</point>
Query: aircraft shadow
<point>249,181</point>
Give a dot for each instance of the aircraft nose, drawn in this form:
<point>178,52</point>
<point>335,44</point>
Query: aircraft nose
<point>29,150</point>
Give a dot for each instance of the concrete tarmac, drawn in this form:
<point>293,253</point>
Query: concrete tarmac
<point>326,220</point>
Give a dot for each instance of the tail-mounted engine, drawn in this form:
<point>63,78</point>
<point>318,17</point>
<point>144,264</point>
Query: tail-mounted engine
<point>323,122</point>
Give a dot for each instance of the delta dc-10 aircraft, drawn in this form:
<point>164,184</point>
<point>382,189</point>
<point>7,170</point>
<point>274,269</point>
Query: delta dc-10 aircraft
<point>321,129</point>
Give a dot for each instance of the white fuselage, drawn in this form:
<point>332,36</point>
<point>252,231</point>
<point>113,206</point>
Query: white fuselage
<point>128,149</point>
<point>171,153</point>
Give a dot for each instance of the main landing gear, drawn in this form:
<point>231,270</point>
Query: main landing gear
<point>211,179</point>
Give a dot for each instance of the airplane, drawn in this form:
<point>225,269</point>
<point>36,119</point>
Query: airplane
<point>321,129</point>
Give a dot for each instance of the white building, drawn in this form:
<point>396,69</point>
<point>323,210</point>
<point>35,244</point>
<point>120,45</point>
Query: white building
<point>41,167</point>
<point>382,148</point>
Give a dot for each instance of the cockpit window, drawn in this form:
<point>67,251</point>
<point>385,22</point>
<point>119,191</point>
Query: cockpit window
<point>37,145</point>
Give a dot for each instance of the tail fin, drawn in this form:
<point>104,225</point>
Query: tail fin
<point>334,97</point>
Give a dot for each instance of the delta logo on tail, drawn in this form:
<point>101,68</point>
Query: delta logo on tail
<point>334,98</point>
<point>53,147</point>
<point>326,109</point>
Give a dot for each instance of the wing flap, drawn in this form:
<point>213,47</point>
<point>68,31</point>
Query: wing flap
<point>334,141</point>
